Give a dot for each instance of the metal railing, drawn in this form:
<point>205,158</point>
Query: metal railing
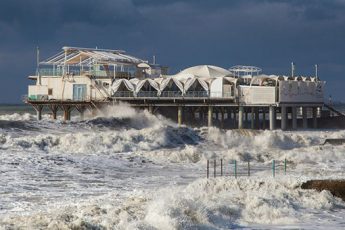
<point>171,94</point>
<point>196,94</point>
<point>77,72</point>
<point>235,168</point>
<point>147,94</point>
<point>123,94</point>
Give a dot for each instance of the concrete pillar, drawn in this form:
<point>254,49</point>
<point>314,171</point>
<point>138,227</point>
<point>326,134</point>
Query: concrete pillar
<point>39,112</point>
<point>315,117</point>
<point>179,115</point>
<point>257,118</point>
<point>283,118</point>
<point>234,117</point>
<point>294,117</point>
<point>240,117</point>
<point>252,124</point>
<point>53,109</point>
<point>66,115</point>
<point>304,116</point>
<point>263,118</point>
<point>272,117</point>
<point>209,117</point>
<point>82,114</point>
<point>66,112</point>
<point>54,114</point>
<point>151,109</point>
<point>222,119</point>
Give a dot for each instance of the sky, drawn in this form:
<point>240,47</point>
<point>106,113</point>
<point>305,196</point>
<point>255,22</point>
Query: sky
<point>264,33</point>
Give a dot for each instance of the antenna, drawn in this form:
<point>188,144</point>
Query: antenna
<point>292,69</point>
<point>316,70</point>
<point>37,56</point>
<point>38,65</point>
<point>154,59</point>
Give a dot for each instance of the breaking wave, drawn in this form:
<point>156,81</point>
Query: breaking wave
<point>203,204</point>
<point>129,169</point>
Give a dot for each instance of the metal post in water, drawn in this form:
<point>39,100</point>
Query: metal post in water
<point>214,168</point>
<point>221,167</point>
<point>248,168</point>
<point>208,168</point>
<point>273,168</point>
<point>235,168</point>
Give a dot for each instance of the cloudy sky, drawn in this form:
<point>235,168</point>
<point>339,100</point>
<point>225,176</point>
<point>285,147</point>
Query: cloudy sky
<point>268,34</point>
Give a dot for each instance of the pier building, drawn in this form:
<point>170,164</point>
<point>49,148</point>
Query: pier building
<point>239,97</point>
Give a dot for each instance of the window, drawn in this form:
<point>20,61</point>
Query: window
<point>50,91</point>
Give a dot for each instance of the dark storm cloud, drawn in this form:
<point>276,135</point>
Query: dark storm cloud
<point>266,33</point>
<point>45,18</point>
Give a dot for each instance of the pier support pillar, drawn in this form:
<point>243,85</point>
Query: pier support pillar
<point>222,118</point>
<point>315,117</point>
<point>272,117</point>
<point>252,124</point>
<point>283,118</point>
<point>82,114</point>
<point>294,117</point>
<point>240,117</point>
<point>234,117</point>
<point>81,109</point>
<point>151,109</point>
<point>66,112</point>
<point>179,115</point>
<point>263,118</point>
<point>257,118</point>
<point>54,109</point>
<point>209,116</point>
<point>246,119</point>
<point>39,109</point>
<point>304,116</point>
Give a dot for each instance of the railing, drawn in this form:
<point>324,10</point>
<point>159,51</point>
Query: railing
<point>147,94</point>
<point>196,94</point>
<point>58,72</point>
<point>50,72</point>
<point>123,94</point>
<point>171,94</point>
<point>97,73</point>
<point>235,168</point>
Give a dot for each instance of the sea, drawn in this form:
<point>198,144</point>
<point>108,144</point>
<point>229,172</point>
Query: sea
<point>130,169</point>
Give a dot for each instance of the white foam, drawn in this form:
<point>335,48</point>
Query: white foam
<point>131,169</point>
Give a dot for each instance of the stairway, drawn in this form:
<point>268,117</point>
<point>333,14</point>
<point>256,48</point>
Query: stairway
<point>329,107</point>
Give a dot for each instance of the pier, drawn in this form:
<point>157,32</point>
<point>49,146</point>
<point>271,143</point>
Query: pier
<point>241,97</point>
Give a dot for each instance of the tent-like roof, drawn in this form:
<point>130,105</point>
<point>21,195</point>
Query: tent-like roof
<point>117,84</point>
<point>191,81</point>
<point>141,83</point>
<point>205,71</point>
<point>165,82</point>
<point>87,56</point>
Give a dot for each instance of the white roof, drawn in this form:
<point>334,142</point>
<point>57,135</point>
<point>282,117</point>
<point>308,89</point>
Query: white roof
<point>204,71</point>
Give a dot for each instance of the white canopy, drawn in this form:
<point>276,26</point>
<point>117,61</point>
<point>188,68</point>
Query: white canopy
<point>168,81</point>
<point>122,82</point>
<point>192,81</point>
<point>205,71</point>
<point>149,81</point>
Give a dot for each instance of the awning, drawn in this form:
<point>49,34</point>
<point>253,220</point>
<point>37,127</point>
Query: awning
<point>117,84</point>
<point>141,83</point>
<point>192,81</point>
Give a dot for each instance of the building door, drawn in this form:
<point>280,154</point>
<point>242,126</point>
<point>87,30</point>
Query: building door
<point>79,92</point>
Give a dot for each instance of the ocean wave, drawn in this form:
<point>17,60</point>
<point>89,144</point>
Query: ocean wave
<point>216,203</point>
